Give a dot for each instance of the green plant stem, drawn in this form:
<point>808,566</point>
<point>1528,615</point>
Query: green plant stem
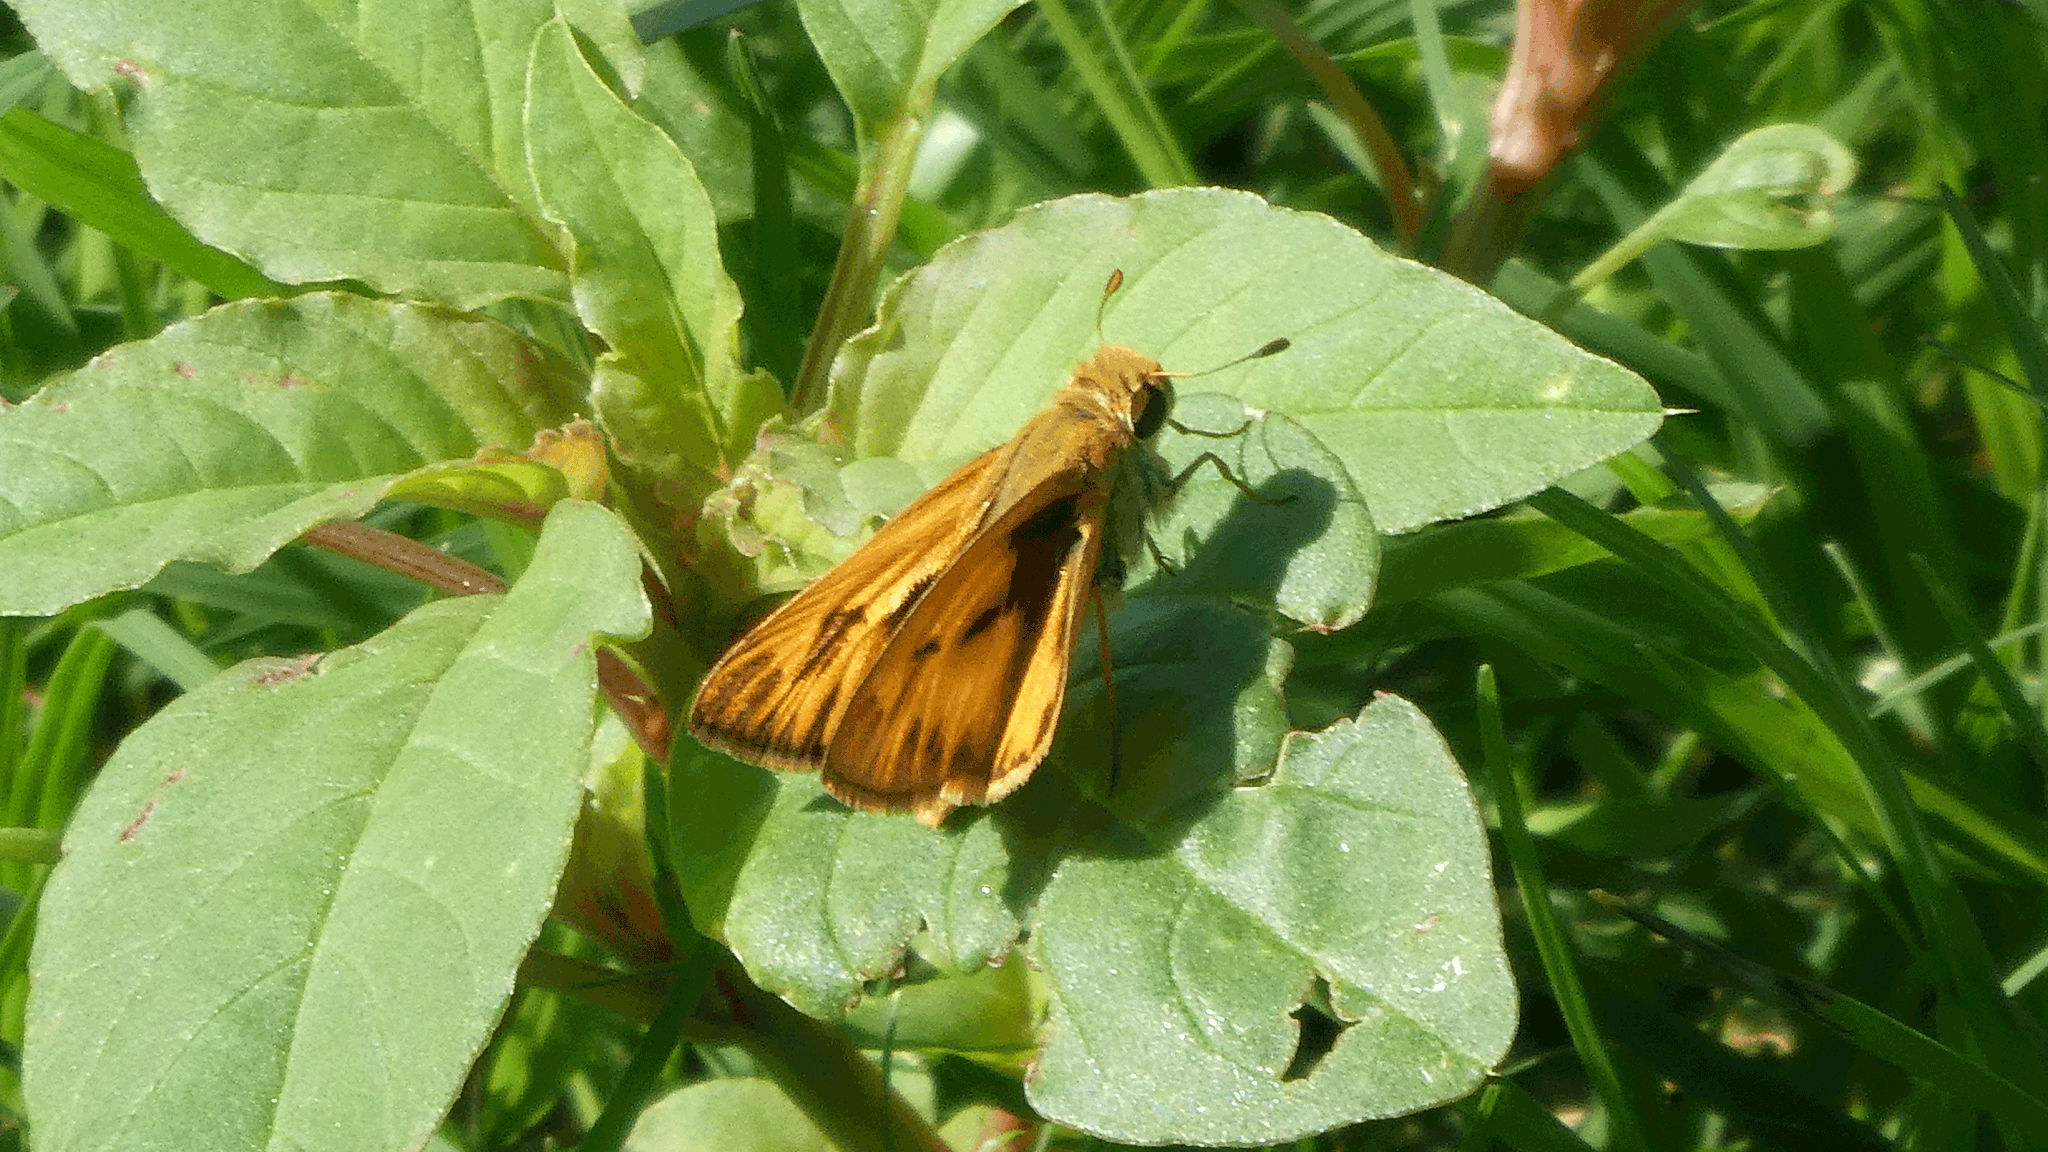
<point>1404,200</point>
<point>826,1076</point>
<point>34,845</point>
<point>1559,969</point>
<point>850,297</point>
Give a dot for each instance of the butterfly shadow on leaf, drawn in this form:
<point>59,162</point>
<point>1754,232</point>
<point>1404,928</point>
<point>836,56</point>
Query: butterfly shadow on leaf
<point>1199,709</point>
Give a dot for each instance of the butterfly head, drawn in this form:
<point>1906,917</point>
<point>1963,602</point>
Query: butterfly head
<point>1130,386</point>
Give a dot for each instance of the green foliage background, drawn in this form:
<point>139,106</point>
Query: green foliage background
<point>1752,711</point>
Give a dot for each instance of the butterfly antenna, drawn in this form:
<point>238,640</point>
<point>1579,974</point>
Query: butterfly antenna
<point>1272,347</point>
<point>1116,281</point>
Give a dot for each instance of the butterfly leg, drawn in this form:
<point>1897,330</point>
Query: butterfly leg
<point>1212,458</point>
<point>1184,430</point>
<point>1159,559</point>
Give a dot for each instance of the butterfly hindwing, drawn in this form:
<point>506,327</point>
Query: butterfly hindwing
<point>760,702</point>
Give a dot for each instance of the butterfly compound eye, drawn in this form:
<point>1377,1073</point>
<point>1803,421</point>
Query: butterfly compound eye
<point>1154,401</point>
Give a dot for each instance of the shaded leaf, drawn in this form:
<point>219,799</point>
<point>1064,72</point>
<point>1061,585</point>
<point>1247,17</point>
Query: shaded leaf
<point>736,1115</point>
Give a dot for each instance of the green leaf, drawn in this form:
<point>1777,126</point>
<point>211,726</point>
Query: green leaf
<point>226,436</point>
<point>1312,554</point>
<point>1438,400</point>
<point>886,55</point>
<point>671,387</point>
<point>319,144</point>
<point>23,75</point>
<point>736,1115</point>
<point>1524,546</point>
<point>1198,709</point>
<point>1355,881</point>
<point>291,908</point>
<point>1772,188</point>
<point>1206,812</point>
<point>817,899</point>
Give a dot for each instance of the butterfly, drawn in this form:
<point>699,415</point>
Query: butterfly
<point>926,671</point>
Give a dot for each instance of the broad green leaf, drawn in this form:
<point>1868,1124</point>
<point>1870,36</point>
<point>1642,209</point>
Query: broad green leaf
<point>992,1015</point>
<point>320,142</point>
<point>291,907</point>
<point>696,111</point>
<point>886,55</point>
<point>1356,878</point>
<point>1198,709</point>
<point>735,1115</point>
<point>672,389</point>
<point>816,899</point>
<point>224,437</point>
<point>1437,399</point>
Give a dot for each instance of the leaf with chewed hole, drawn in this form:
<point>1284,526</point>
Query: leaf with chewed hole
<point>1320,949</point>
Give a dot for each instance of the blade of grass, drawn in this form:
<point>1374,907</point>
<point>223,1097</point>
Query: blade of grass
<point>1404,197</point>
<point>1508,1113</point>
<point>2026,722</point>
<point>1095,47</point>
<point>1962,959</point>
<point>774,311</point>
<point>145,635</point>
<point>1560,970</point>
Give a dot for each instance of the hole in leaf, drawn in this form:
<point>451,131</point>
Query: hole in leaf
<point>1316,1030</point>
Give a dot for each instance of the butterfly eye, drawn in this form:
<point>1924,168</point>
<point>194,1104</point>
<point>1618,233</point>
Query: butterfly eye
<point>1154,401</point>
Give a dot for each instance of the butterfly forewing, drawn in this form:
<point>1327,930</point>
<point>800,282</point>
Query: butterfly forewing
<point>777,695</point>
<point>962,703</point>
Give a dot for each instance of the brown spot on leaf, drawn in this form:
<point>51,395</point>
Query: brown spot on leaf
<point>136,824</point>
<point>295,669</point>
